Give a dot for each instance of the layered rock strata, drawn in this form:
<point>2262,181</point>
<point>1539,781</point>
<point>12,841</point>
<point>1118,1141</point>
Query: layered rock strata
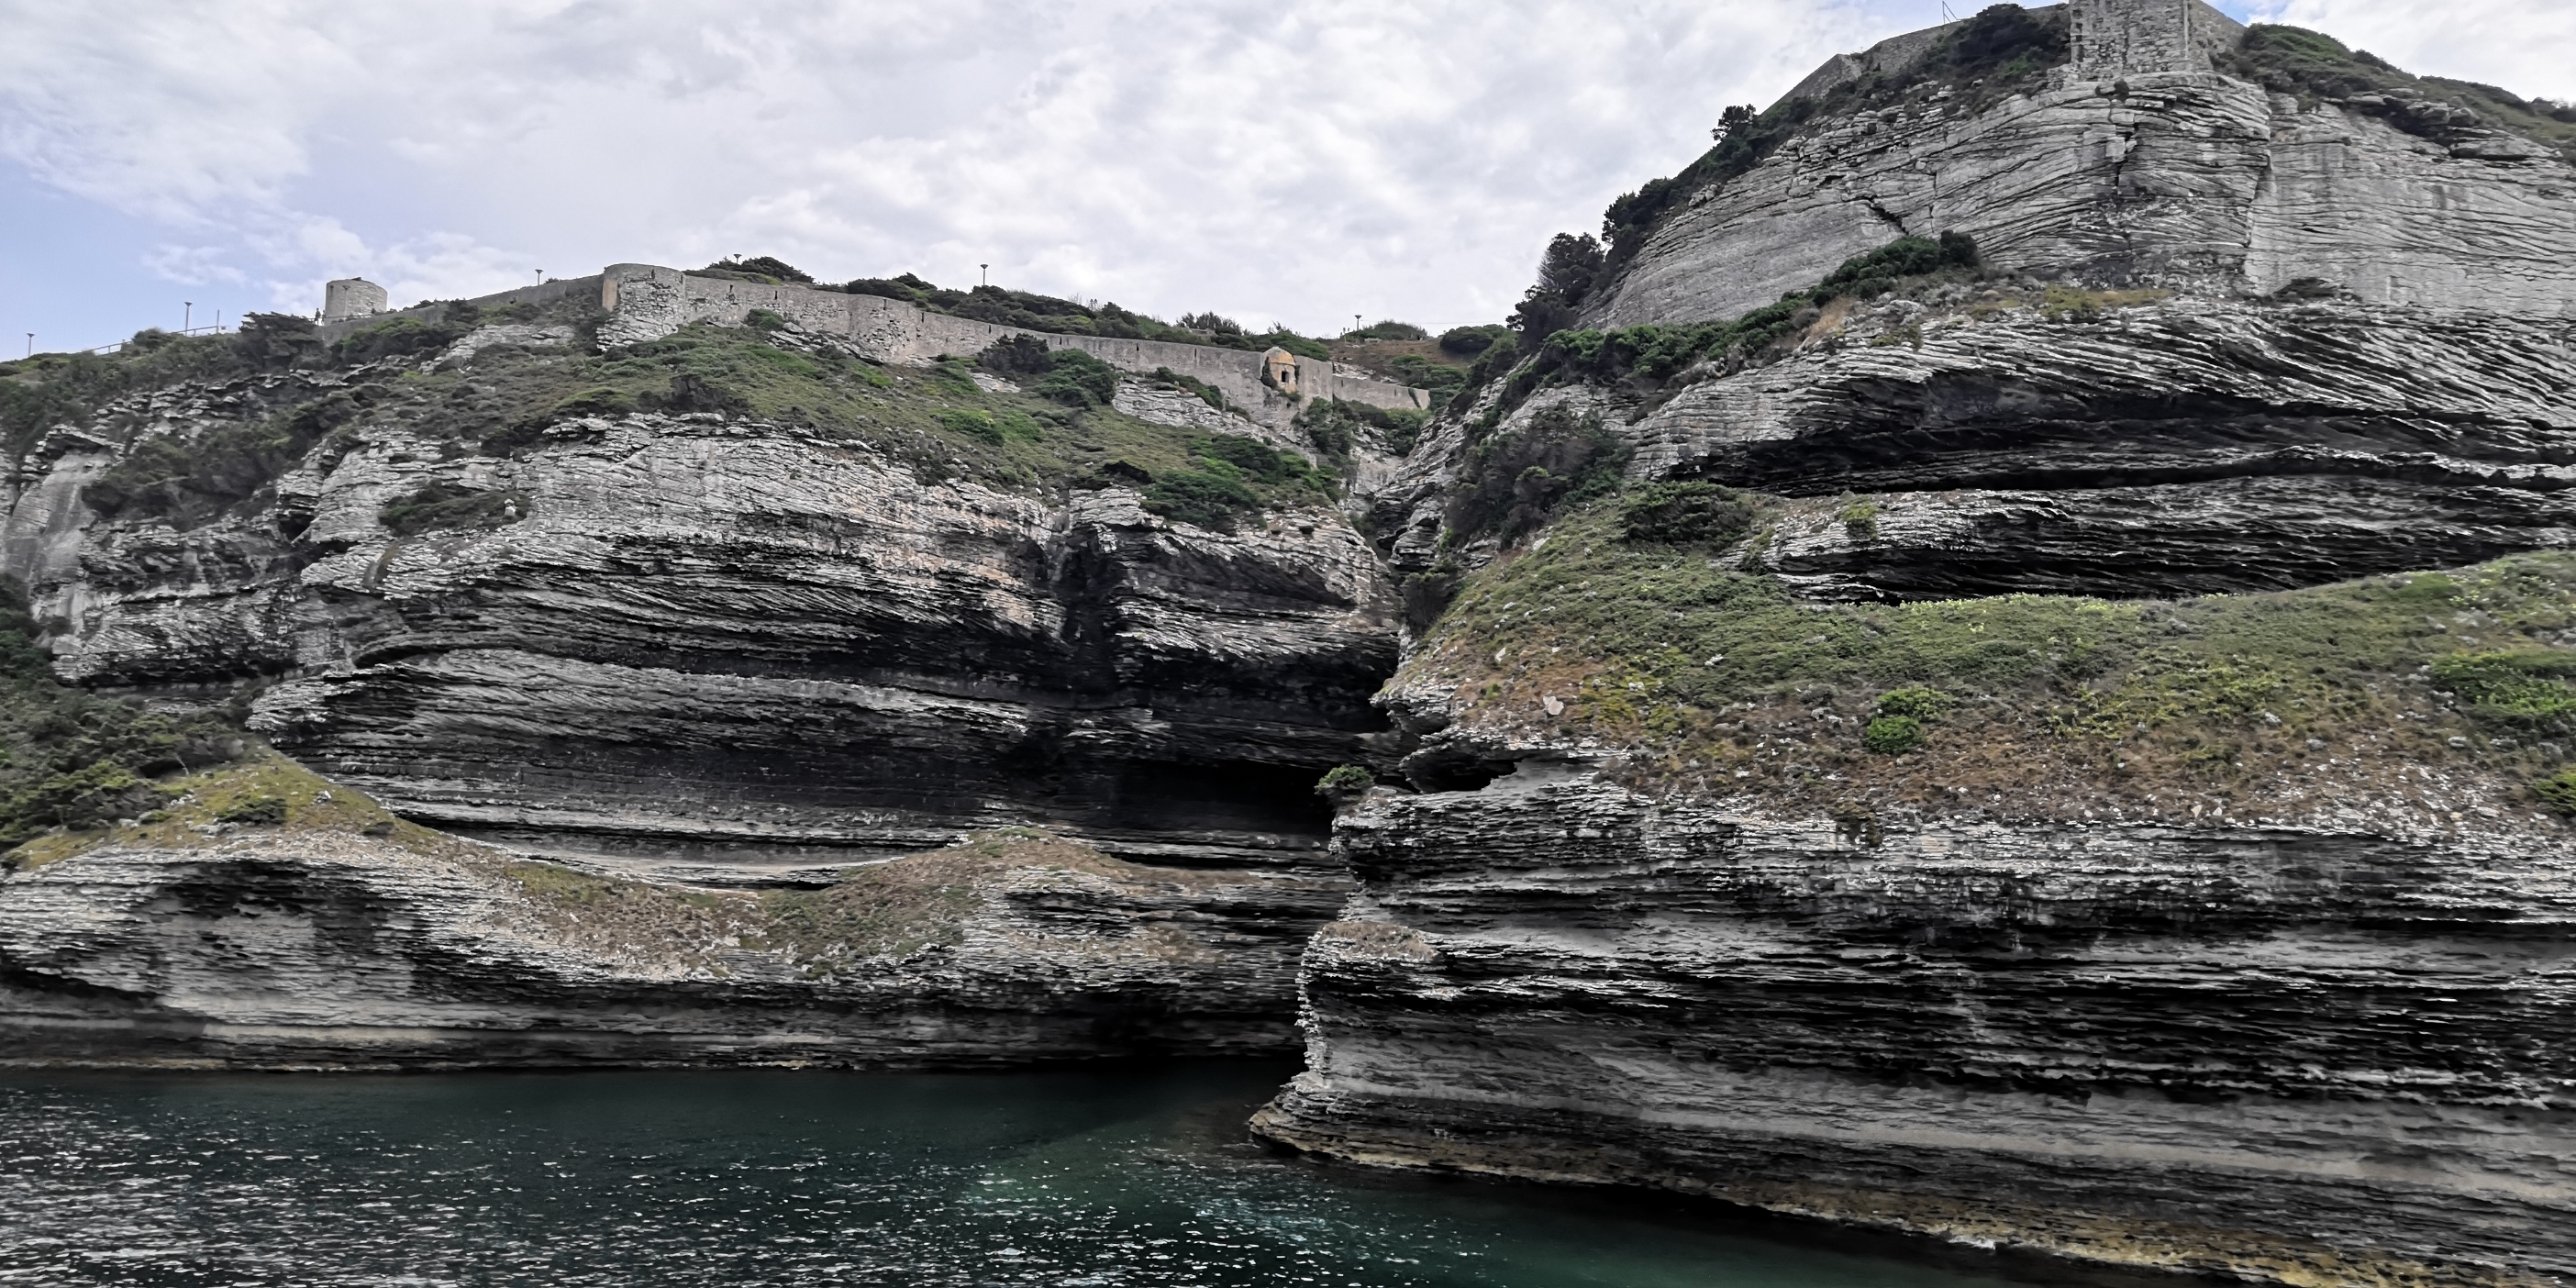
<point>387,946</point>
<point>2297,1052</point>
<point>2152,445</point>
<point>721,639</point>
<point>2178,447</point>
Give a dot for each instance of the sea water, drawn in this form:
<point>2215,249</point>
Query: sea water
<point>1133,1175</point>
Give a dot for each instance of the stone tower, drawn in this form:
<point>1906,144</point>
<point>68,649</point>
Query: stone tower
<point>2109,39</point>
<point>351,297</point>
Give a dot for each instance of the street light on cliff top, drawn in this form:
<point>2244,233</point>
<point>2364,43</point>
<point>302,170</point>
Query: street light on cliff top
<point>187,315</point>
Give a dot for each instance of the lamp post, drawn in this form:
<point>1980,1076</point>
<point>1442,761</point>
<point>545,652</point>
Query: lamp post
<point>987,270</point>
<point>187,316</point>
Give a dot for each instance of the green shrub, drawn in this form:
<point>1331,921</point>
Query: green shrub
<point>765,320</point>
<point>1236,478</point>
<point>1892,735</point>
<point>1333,426</point>
<point>691,392</point>
<point>1344,783</point>
<point>1677,513</point>
<point>992,428</point>
<point>79,761</point>
<point>1468,341</point>
<point>766,269</point>
<point>189,481</point>
<point>593,402</point>
<point>1077,379</point>
<point>1658,351</point>
<point>1510,485</point>
<point>2518,688</point>
<point>2558,791</point>
<point>1860,520</point>
<point>263,807</point>
<point>1212,499</point>
<point>1902,717</point>
<point>1389,329</point>
<point>1915,702</point>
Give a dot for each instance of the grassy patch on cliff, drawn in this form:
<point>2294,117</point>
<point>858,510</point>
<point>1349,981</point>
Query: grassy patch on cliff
<point>72,760</point>
<point>1727,682</point>
<point>1055,429</point>
<point>261,790</point>
<point>876,914</point>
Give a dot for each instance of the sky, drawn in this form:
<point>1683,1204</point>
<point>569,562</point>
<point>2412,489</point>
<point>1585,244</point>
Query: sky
<point>1302,163</point>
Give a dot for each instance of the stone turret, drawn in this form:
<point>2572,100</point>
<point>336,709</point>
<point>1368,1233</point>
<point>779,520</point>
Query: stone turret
<point>351,297</point>
<point>2109,39</point>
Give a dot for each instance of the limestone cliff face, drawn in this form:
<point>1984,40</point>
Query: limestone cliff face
<point>2302,1051</point>
<point>2179,178</point>
<point>388,946</point>
<point>2179,447</point>
<point>701,657</point>
<point>738,640</point>
<point>1678,891</point>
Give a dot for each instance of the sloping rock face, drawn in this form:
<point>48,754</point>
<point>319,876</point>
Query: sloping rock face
<point>2182,447</point>
<point>310,947</point>
<point>2286,1052</point>
<point>2175,177</point>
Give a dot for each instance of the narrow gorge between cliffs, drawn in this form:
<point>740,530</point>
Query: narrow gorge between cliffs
<point>1990,672</point>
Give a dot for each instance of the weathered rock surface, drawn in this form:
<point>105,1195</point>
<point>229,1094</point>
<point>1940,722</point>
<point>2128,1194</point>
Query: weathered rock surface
<point>2177,178</point>
<point>2275,1051</point>
<point>2181,447</point>
<point>733,639</point>
<point>298,948</point>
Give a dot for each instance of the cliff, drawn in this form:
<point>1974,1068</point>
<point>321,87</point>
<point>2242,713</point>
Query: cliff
<point>2058,744</point>
<point>2010,678</point>
<point>728,610</point>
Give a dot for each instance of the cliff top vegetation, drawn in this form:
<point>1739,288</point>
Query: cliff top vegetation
<point>2317,67</point>
<point>1055,430</point>
<point>2438,691</point>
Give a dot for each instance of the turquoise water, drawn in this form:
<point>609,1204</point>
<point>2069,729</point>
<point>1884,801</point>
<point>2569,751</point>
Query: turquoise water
<point>1130,1176</point>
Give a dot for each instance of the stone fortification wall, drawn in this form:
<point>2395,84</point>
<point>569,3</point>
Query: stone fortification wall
<point>543,293</point>
<point>2118,175</point>
<point>650,301</point>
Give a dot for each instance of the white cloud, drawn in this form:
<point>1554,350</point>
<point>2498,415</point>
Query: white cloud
<point>1299,161</point>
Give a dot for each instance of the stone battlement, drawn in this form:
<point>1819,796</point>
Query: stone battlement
<point>648,301</point>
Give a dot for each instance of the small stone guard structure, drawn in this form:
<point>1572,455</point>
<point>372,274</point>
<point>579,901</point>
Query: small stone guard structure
<point>351,297</point>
